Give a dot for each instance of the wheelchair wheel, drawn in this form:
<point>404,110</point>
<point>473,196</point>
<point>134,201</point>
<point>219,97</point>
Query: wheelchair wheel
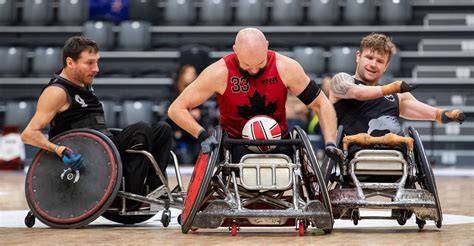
<point>126,219</point>
<point>425,173</point>
<point>199,184</point>
<point>313,178</point>
<point>61,198</point>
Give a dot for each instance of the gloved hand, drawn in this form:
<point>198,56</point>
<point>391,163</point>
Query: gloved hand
<point>446,116</point>
<point>334,153</point>
<point>74,161</point>
<point>207,142</point>
<point>398,86</point>
<point>405,87</point>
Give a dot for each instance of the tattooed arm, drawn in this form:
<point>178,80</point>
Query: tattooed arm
<point>344,87</point>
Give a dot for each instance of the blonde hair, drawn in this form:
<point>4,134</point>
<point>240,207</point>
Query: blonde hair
<point>380,43</point>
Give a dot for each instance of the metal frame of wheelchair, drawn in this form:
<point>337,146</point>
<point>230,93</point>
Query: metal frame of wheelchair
<point>162,198</point>
<point>260,190</point>
<point>411,189</point>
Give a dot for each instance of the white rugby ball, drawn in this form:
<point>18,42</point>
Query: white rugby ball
<point>261,127</point>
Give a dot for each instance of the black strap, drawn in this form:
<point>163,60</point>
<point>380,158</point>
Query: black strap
<point>310,93</point>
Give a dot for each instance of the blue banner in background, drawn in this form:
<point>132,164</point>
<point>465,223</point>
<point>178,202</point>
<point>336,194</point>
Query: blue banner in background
<point>108,10</point>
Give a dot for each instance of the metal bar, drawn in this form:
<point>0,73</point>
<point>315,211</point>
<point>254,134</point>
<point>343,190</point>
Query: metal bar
<point>139,198</point>
<point>158,171</point>
<point>236,189</point>
<point>295,192</point>
<point>267,213</point>
<point>177,170</point>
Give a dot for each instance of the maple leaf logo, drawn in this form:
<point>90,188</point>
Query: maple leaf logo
<point>257,107</point>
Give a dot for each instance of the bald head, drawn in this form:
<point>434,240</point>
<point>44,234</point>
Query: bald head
<point>251,39</point>
<point>251,48</point>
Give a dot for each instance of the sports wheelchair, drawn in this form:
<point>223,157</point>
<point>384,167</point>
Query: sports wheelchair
<point>62,198</point>
<point>260,190</point>
<point>388,172</point>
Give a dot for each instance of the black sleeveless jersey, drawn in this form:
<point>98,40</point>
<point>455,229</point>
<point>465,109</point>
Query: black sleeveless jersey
<point>85,110</point>
<point>375,117</point>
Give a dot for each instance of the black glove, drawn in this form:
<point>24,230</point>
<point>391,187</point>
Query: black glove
<point>207,142</point>
<point>405,87</point>
<point>334,153</point>
<point>452,115</point>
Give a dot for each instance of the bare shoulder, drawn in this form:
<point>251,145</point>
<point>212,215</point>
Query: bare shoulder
<point>286,64</point>
<point>216,71</point>
<point>53,97</point>
<point>291,72</point>
<point>213,77</point>
<point>54,92</point>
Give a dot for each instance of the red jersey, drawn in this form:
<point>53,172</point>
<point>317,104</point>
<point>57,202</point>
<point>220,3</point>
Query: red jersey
<point>247,97</point>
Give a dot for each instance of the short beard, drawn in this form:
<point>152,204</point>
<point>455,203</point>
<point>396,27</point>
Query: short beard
<point>247,75</point>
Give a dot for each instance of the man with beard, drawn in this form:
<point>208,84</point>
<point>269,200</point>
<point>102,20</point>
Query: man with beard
<point>68,102</point>
<point>252,81</point>
<point>363,106</point>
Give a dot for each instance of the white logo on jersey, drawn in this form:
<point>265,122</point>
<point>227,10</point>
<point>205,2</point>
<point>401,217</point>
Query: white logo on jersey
<point>391,98</point>
<point>80,101</point>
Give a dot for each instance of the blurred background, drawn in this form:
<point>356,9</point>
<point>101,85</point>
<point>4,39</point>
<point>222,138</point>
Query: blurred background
<point>152,49</point>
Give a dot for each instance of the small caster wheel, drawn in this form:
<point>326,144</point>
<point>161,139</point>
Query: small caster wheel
<point>439,223</point>
<point>355,217</point>
<point>30,219</point>
<point>421,223</point>
<point>179,219</point>
<point>166,218</point>
<point>402,218</point>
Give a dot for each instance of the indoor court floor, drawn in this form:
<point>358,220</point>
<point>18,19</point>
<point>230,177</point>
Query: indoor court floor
<point>456,195</point>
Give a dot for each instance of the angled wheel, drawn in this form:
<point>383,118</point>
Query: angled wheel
<point>425,173</point>
<point>61,198</point>
<point>312,175</point>
<point>199,183</point>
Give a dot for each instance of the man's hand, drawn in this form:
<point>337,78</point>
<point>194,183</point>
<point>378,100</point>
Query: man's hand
<point>69,158</point>
<point>207,142</point>
<point>446,116</point>
<point>398,86</point>
<point>334,153</point>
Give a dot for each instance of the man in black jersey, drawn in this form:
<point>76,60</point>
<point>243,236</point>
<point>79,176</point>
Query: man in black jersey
<point>363,106</point>
<point>69,102</point>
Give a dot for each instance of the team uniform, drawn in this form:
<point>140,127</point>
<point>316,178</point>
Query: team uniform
<point>86,111</point>
<point>375,117</point>
<point>248,97</point>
